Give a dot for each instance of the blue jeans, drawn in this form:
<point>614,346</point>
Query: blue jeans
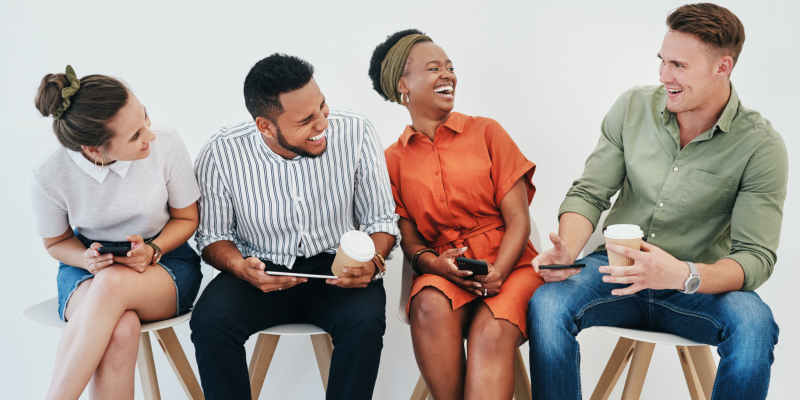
<point>739,323</point>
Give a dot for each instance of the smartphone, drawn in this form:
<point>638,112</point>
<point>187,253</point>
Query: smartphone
<point>275,273</point>
<point>119,251</point>
<point>562,266</point>
<point>468,264</point>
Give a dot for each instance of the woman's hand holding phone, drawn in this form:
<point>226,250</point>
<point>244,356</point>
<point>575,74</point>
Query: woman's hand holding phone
<point>445,266</point>
<point>94,261</point>
<point>491,282</point>
<point>139,257</point>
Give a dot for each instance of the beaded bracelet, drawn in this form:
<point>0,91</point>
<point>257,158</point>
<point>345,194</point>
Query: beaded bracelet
<point>416,257</point>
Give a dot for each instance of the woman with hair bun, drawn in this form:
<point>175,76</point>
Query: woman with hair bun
<point>118,186</point>
<point>462,189</point>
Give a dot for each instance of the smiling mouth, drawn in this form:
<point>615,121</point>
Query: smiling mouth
<point>147,146</point>
<point>445,91</point>
<point>674,91</point>
<point>317,138</point>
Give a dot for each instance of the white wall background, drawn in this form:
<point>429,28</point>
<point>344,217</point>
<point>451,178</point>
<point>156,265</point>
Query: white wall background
<point>547,71</point>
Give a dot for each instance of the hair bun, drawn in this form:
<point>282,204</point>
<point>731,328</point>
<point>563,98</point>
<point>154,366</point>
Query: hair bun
<point>48,98</point>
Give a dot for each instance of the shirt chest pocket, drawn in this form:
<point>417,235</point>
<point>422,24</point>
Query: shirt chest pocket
<point>705,195</point>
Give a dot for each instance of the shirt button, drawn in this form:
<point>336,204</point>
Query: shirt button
<point>298,198</point>
<point>661,204</point>
<point>441,199</point>
<point>675,169</point>
<point>436,173</point>
<point>652,235</point>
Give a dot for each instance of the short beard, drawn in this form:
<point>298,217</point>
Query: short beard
<point>297,150</point>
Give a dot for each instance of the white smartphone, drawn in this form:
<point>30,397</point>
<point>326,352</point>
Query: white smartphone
<point>301,275</point>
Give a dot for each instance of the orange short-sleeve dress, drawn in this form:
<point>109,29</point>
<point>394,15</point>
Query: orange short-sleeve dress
<point>451,188</point>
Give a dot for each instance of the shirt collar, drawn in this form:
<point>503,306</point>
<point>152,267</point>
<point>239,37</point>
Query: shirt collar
<point>455,122</point>
<point>119,167</point>
<point>724,121</point>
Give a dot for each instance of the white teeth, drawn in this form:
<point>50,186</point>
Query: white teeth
<point>674,90</point>
<point>443,89</point>
<point>318,137</point>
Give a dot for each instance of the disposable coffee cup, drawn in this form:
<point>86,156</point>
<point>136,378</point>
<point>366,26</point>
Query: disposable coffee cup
<point>355,248</point>
<point>624,235</point>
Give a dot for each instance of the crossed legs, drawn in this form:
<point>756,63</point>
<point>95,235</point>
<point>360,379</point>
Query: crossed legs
<point>101,340</point>
<point>437,333</point>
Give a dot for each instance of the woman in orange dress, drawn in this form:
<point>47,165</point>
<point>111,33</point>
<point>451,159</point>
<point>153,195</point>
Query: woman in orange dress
<point>462,188</point>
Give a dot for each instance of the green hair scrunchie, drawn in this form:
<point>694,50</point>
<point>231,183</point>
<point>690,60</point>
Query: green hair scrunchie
<point>392,66</point>
<point>67,92</point>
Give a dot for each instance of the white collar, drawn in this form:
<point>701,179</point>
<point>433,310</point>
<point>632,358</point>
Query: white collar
<point>120,167</point>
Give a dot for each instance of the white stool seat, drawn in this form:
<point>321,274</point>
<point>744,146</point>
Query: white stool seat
<point>650,336</point>
<point>46,313</point>
<point>294,330</point>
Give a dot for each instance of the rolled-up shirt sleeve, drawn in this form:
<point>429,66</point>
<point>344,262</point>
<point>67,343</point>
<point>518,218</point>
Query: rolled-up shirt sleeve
<point>604,172</point>
<point>374,204</point>
<point>758,213</point>
<point>217,215</point>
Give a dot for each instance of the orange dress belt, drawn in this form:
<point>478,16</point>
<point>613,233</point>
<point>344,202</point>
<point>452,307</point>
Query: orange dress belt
<point>457,239</point>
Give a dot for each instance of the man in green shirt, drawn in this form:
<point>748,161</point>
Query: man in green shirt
<point>705,180</point>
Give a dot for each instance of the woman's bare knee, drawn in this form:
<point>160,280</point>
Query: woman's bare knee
<point>112,279</point>
<point>494,333</point>
<point>429,306</point>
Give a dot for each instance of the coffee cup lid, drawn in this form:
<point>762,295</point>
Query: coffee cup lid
<point>358,246</point>
<point>623,231</point>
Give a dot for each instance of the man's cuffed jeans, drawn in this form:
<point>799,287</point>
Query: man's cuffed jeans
<point>740,324</point>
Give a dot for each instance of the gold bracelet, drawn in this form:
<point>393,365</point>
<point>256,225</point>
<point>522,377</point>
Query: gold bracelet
<point>415,258</point>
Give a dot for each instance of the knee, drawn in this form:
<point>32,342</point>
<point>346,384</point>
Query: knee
<point>126,333</point>
<point>429,307</point>
<point>111,279</point>
<point>546,306</point>
<point>494,334</point>
<point>752,326</point>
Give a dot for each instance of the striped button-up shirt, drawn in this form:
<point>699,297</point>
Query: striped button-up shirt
<point>277,209</point>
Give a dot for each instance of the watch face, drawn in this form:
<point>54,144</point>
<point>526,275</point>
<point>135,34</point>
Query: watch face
<point>692,284</point>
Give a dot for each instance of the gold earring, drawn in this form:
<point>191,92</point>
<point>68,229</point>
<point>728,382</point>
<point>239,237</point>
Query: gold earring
<point>408,98</point>
<point>99,171</point>
<point>401,99</point>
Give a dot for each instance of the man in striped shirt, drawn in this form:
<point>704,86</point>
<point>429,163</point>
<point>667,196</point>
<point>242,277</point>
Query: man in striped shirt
<point>277,194</point>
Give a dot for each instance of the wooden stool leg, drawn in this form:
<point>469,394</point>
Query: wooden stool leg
<point>522,384</point>
<point>698,369</point>
<point>421,391</point>
<point>323,349</point>
<point>638,370</point>
<point>616,364</point>
<point>705,366</point>
<point>259,363</point>
<point>180,365</point>
<point>147,368</point>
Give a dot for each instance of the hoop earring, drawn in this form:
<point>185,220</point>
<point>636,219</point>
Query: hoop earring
<point>401,99</point>
<point>408,98</point>
<point>99,171</point>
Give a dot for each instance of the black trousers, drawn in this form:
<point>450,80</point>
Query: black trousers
<point>230,310</point>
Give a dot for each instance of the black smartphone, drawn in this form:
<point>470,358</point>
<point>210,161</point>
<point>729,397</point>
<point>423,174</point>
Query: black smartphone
<point>562,266</point>
<point>468,264</point>
<point>119,251</point>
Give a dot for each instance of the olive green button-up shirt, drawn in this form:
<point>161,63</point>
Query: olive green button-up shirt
<point>721,196</point>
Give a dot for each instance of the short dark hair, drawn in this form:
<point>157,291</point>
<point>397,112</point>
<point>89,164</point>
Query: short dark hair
<point>715,26</point>
<point>92,107</point>
<point>271,77</point>
<point>380,53</point>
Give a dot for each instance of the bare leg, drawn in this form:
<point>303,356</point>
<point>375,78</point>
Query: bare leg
<point>94,319</point>
<point>437,334</point>
<point>491,347</point>
<point>115,376</point>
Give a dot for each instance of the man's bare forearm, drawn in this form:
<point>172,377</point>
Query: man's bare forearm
<point>723,276</point>
<point>223,255</point>
<point>575,230</point>
<point>383,243</point>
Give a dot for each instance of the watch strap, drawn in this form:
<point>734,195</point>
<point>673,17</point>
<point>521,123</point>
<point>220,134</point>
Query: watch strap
<point>156,253</point>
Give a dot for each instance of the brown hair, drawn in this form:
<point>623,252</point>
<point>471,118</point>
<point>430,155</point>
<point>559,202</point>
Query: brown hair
<point>84,122</point>
<point>715,26</point>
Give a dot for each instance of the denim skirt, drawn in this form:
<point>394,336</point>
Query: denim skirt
<point>182,264</point>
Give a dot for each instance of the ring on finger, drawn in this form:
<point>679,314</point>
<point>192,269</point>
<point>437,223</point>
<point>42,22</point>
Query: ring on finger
<point>485,292</point>
<point>280,289</point>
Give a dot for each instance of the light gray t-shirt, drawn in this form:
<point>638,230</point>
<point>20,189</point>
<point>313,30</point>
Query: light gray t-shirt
<point>127,198</point>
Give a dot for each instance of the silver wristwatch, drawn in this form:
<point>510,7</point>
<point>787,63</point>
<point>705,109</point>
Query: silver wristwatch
<point>693,281</point>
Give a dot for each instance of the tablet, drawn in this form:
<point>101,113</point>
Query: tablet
<point>275,273</point>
